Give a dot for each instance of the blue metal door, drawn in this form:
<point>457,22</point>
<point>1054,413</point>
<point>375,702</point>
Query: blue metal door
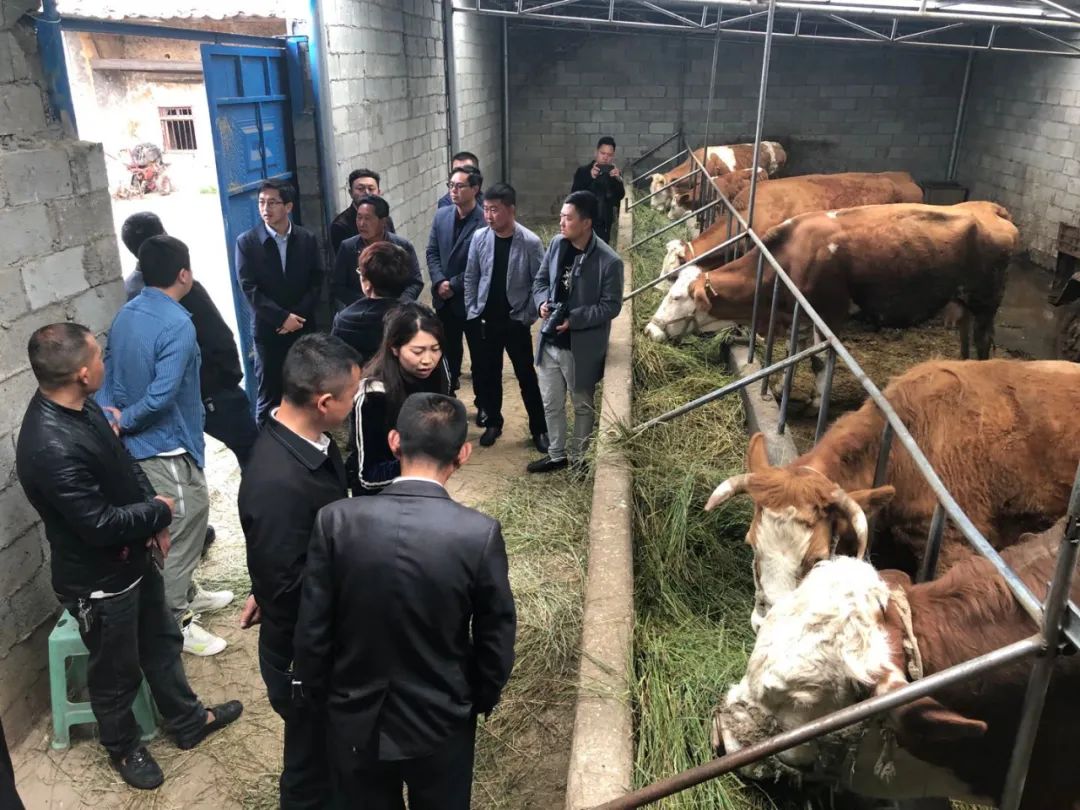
<point>248,93</point>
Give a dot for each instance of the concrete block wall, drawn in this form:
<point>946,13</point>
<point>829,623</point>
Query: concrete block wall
<point>478,67</point>
<point>835,108</point>
<point>59,262</point>
<point>1021,144</point>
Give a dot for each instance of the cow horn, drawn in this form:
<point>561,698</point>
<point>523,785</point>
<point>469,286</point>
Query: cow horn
<point>855,515</point>
<point>736,485</point>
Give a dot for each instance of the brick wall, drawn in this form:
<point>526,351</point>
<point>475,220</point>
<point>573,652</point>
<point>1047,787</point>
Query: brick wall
<point>1021,144</point>
<point>478,67</point>
<point>836,108</point>
<point>59,262</point>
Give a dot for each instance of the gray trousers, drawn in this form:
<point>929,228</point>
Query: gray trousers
<point>556,375</point>
<point>179,478</point>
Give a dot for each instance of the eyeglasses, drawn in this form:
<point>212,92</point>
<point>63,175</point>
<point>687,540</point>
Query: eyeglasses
<point>457,186</point>
<point>270,203</point>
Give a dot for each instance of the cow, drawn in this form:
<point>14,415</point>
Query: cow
<point>1001,435</point>
<point>788,197</point>
<point>730,185</point>
<point>721,160</point>
<point>849,632</point>
<point>899,265</point>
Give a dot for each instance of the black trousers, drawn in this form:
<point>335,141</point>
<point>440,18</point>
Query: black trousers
<point>440,781</point>
<point>305,780</point>
<point>454,327</point>
<point>603,230</point>
<point>229,420</point>
<point>9,798</point>
<point>270,354</point>
<point>491,339</point>
<point>129,636</point>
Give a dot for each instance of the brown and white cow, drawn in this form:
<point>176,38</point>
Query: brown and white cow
<point>788,197</point>
<point>1001,434</point>
<point>898,264</point>
<point>849,632</point>
<point>730,185</point>
<point>718,161</point>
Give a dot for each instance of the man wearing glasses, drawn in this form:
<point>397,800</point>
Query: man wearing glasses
<point>280,272</point>
<point>447,255</point>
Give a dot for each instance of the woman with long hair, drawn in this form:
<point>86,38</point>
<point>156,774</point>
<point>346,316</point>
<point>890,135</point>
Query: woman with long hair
<point>409,360</point>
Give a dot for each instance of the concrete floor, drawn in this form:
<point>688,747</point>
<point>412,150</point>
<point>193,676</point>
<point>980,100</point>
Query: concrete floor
<point>1026,322</point>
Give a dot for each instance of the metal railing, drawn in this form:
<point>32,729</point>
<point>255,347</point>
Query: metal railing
<point>1058,619</point>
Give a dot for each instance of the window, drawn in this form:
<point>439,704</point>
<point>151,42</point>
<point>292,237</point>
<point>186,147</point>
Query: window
<point>177,129</point>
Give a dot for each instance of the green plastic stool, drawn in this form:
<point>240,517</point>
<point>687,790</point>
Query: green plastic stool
<point>67,669</point>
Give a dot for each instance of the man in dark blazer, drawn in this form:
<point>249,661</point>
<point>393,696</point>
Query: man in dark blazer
<point>372,216</point>
<point>280,271</point>
<point>407,623</point>
<point>296,470</point>
<point>447,256</point>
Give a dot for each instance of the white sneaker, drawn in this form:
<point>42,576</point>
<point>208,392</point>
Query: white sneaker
<point>198,641</point>
<point>209,601</point>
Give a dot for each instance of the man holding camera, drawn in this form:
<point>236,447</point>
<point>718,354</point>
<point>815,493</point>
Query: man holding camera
<point>603,179</point>
<point>578,292</point>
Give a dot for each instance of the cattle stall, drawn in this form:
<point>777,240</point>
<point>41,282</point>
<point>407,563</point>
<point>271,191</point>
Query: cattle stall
<point>1042,29</point>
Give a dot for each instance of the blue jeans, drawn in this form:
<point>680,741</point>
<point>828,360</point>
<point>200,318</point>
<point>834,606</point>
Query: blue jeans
<point>129,636</point>
<point>229,420</point>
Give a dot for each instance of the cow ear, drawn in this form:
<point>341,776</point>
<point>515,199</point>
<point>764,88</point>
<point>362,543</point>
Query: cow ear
<point>927,722</point>
<point>871,500</point>
<point>757,456</point>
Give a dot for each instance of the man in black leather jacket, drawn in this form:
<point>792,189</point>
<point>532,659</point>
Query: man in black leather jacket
<point>406,626</point>
<point>109,533</point>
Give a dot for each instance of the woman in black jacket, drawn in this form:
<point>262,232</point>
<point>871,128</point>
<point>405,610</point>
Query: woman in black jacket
<point>409,360</point>
<point>384,274</point>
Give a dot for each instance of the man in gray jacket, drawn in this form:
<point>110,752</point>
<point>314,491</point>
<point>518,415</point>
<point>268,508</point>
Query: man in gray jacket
<point>503,262</point>
<point>578,292</point>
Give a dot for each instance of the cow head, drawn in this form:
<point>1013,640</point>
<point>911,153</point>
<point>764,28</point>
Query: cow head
<point>800,518</point>
<point>662,198</point>
<point>824,647</point>
<point>679,314</point>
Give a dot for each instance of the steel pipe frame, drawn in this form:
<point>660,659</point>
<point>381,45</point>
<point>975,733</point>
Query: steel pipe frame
<point>652,194</point>
<point>961,111</point>
<point>653,151</point>
<point>648,285</point>
<point>671,225</point>
<point>665,163</point>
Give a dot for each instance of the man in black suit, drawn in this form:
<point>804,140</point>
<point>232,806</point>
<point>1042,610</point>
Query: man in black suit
<point>296,470</point>
<point>393,585</point>
<point>280,271</point>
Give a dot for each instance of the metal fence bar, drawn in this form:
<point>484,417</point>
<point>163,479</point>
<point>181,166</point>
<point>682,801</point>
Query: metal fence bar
<point>789,372</point>
<point>880,471</point>
<point>826,725</point>
<point>766,58</point>
<point>658,166</point>
<point>928,569</point>
<point>664,276</point>
<point>826,392</point>
<point>671,225</point>
<point>652,194</point>
<point>731,387</point>
<point>654,150</point>
<point>770,333</point>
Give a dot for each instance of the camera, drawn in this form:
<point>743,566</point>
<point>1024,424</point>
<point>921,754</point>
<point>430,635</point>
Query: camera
<point>558,314</point>
<point>605,168</point>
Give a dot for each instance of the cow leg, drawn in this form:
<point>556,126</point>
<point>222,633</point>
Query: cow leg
<point>984,336</point>
<point>817,365</point>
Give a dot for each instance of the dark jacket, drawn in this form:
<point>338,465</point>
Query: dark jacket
<point>361,325</point>
<point>445,200</point>
<point>344,226</point>
<point>287,482</point>
<point>407,620</point>
<point>447,257</point>
<point>271,292</point>
<point>97,504</point>
<point>345,282</point>
<point>608,190</point>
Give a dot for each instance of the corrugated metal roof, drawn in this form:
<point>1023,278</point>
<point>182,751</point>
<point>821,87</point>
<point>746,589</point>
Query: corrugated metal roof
<point>165,10</point>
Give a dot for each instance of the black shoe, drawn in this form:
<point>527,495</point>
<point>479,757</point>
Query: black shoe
<point>490,435</point>
<point>540,441</point>
<point>139,769</point>
<point>481,418</point>
<point>208,541</point>
<point>224,714</point>
<point>547,464</point>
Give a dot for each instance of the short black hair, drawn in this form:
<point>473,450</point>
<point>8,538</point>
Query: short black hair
<point>432,426</point>
<point>585,202</point>
<point>58,351</point>
<point>161,258</point>
<point>501,192</point>
<point>386,267</point>
<point>316,364</point>
<point>476,180</point>
<point>381,206</point>
<point>356,174</point>
<point>607,140</point>
<point>287,192</point>
<point>138,228</point>
<point>466,156</point>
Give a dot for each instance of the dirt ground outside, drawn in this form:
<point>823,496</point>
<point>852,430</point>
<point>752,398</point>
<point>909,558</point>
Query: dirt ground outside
<point>522,755</point>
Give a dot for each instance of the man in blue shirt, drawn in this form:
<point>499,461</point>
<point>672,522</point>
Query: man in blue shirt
<point>151,393</point>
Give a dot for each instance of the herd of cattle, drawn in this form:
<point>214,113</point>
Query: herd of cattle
<point>832,629</point>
